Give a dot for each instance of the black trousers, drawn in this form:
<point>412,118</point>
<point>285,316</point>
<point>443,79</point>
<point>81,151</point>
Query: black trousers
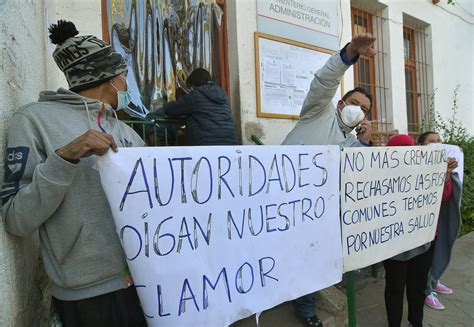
<point>414,274</point>
<point>117,309</point>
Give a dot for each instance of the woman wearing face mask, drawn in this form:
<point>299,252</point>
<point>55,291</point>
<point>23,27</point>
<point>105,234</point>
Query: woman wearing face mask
<point>408,269</point>
<point>449,224</point>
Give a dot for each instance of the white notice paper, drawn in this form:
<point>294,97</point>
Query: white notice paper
<point>453,151</point>
<point>271,71</point>
<point>285,76</point>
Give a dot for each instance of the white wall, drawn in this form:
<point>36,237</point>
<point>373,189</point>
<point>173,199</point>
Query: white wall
<point>26,67</point>
<point>22,74</point>
<point>451,30</point>
<point>243,89</point>
<point>452,48</point>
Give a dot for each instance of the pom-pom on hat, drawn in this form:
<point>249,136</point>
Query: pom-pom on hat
<point>85,60</point>
<point>400,140</point>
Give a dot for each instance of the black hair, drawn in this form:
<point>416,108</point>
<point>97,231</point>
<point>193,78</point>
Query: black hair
<point>358,90</point>
<point>423,136</point>
<point>60,32</point>
<point>198,77</point>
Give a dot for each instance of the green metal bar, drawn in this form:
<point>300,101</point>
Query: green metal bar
<point>375,270</point>
<point>157,120</point>
<point>145,127</point>
<point>155,134</point>
<point>350,293</point>
<point>256,139</point>
<point>144,134</point>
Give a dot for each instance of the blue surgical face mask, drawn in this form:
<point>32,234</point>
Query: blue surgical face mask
<point>123,97</point>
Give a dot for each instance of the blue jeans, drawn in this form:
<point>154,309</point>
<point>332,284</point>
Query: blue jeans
<point>305,305</point>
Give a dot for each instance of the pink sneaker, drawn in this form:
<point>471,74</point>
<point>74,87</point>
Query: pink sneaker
<point>433,302</point>
<point>443,289</point>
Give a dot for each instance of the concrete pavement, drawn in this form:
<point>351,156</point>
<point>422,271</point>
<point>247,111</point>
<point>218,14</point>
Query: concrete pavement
<point>460,277</point>
<point>459,310</point>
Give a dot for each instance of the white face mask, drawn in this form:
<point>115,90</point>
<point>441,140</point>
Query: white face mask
<point>352,115</point>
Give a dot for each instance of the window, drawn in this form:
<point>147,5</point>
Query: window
<point>416,78</point>
<point>410,78</point>
<point>369,73</point>
<point>364,70</point>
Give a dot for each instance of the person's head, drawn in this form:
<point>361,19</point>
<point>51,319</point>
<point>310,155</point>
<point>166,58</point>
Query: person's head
<point>198,77</point>
<point>90,65</point>
<point>401,140</point>
<point>428,138</point>
<point>354,106</point>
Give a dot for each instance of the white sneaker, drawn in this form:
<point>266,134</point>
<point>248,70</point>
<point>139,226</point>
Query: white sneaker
<point>433,302</point>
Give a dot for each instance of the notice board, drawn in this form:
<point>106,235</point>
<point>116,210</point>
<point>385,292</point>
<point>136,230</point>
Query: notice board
<point>284,71</point>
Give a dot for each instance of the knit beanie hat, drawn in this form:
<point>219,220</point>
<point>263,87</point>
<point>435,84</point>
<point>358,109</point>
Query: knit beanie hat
<point>85,60</point>
<point>400,140</point>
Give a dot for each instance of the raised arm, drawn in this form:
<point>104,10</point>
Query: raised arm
<point>327,79</point>
<point>179,108</point>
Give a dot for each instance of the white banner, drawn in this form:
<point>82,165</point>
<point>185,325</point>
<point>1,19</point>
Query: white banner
<point>215,234</point>
<point>390,200</point>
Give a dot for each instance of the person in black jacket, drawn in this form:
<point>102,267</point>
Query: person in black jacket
<point>207,111</point>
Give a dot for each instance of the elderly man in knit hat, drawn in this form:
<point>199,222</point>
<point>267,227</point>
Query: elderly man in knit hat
<point>51,184</point>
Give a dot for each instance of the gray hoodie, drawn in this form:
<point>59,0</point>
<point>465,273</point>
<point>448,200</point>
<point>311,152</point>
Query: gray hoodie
<point>64,201</point>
